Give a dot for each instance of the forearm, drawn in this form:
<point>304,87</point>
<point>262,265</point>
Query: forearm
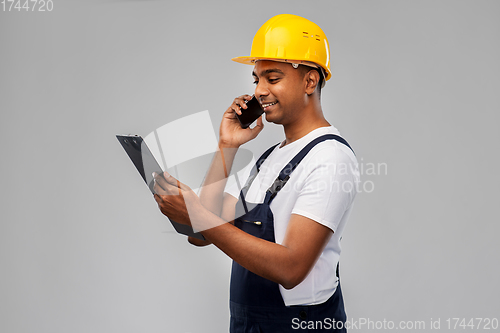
<point>212,190</point>
<point>272,261</point>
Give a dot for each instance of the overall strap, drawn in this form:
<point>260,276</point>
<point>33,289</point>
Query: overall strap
<point>288,169</point>
<point>263,157</point>
<point>253,174</point>
<point>256,167</point>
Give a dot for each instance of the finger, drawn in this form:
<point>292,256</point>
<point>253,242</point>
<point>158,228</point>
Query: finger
<point>230,113</point>
<point>164,179</point>
<point>240,101</point>
<point>183,186</point>
<point>174,183</point>
<point>236,108</point>
<point>243,97</point>
<point>165,184</point>
<point>238,104</point>
<point>158,189</point>
<point>160,181</point>
<point>233,108</point>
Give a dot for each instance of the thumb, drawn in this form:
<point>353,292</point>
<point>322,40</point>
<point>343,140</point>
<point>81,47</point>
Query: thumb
<point>258,127</point>
<point>173,181</point>
<point>169,178</point>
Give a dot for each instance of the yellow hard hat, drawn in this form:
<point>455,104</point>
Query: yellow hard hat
<point>290,38</point>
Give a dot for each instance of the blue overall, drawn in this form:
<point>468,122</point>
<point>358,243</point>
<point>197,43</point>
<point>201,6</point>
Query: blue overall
<point>256,303</point>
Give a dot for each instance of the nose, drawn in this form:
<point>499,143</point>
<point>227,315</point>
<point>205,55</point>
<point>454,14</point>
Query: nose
<point>261,90</point>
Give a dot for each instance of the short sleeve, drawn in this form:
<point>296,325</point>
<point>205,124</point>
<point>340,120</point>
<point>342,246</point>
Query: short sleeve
<point>329,186</point>
<point>238,179</point>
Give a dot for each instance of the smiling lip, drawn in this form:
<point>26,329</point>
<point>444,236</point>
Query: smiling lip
<point>266,106</point>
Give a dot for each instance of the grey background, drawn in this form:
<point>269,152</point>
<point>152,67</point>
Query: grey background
<point>82,246</point>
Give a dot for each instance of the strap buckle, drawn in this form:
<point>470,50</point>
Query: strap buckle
<point>277,185</point>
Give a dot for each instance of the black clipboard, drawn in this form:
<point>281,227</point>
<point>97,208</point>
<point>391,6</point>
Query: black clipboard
<point>146,164</point>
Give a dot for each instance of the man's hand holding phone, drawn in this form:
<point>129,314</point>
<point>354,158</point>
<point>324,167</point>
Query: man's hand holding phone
<point>231,133</point>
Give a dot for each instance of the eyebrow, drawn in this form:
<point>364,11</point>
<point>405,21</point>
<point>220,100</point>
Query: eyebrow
<point>268,71</point>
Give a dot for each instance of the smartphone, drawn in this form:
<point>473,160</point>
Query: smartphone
<point>144,161</point>
<point>251,113</point>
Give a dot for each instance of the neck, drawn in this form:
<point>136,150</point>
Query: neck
<point>310,119</point>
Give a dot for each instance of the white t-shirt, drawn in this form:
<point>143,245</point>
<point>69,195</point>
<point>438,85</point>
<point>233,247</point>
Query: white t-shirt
<point>322,188</point>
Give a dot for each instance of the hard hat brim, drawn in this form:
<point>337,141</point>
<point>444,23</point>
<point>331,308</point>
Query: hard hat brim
<point>251,61</point>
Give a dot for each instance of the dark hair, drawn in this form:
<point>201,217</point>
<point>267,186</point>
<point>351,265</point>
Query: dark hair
<point>321,79</point>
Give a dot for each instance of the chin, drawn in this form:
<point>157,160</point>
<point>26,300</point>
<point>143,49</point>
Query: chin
<point>271,119</point>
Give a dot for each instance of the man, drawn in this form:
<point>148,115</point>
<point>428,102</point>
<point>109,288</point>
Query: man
<point>287,221</point>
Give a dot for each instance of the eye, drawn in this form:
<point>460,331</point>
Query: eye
<point>255,82</point>
<point>273,80</point>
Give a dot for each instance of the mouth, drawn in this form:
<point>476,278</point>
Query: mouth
<point>266,106</point>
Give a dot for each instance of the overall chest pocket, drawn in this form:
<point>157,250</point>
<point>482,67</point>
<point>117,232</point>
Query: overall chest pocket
<point>257,222</point>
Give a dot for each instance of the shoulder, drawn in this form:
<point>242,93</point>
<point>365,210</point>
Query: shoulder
<point>334,148</point>
<point>331,152</point>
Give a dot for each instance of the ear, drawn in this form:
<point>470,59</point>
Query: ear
<point>311,80</point>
